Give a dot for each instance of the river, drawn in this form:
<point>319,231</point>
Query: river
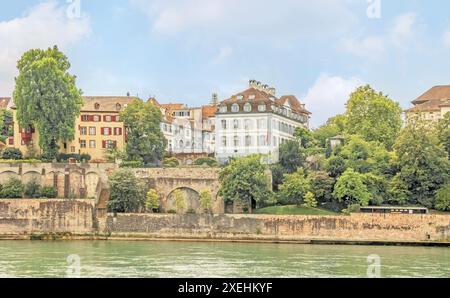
<point>190,259</point>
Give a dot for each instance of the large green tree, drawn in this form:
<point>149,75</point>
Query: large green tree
<point>245,180</point>
<point>444,132</point>
<point>126,192</point>
<point>424,166</point>
<point>291,156</point>
<point>146,142</point>
<point>350,188</point>
<point>47,98</point>
<point>294,188</point>
<point>374,116</point>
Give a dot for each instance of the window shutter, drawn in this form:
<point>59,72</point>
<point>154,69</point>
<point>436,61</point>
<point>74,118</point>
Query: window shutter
<point>102,131</point>
<point>120,131</point>
<point>103,144</point>
<point>115,144</point>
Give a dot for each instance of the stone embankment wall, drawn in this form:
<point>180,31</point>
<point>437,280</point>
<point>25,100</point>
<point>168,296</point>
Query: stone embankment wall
<point>357,227</point>
<point>26,217</point>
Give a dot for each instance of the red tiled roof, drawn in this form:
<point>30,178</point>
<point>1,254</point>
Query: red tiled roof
<point>209,111</point>
<point>432,100</point>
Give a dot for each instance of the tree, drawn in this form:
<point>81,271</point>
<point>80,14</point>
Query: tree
<point>310,200</point>
<point>423,163</point>
<point>350,189</point>
<point>336,166</point>
<point>321,186</point>
<point>244,180</point>
<point>179,200</point>
<point>146,142</point>
<point>291,156</point>
<point>206,200</point>
<point>444,132</point>
<point>47,98</point>
<point>377,186</point>
<point>442,202</point>
<point>374,116</point>
<point>332,128</point>
<point>126,192</point>
<point>152,200</point>
<point>304,136</point>
<point>294,188</point>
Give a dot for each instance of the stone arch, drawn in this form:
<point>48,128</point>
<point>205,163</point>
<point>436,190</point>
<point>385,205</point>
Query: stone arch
<point>192,199</point>
<point>75,183</point>
<point>92,181</point>
<point>5,176</point>
<point>32,176</point>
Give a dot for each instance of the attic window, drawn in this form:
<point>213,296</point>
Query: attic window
<point>97,106</point>
<point>240,97</point>
<point>118,107</point>
<point>251,96</point>
<point>247,108</point>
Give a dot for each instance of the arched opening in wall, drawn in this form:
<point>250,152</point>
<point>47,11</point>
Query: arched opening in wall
<point>191,197</point>
<point>6,176</point>
<point>32,176</point>
<point>229,207</point>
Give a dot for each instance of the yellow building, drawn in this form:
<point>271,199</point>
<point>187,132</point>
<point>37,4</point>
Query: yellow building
<point>433,104</point>
<point>98,128</point>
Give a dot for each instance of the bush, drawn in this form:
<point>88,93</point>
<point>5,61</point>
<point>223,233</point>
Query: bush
<point>190,211</point>
<point>127,194</point>
<point>62,157</point>
<point>209,161</point>
<point>152,200</point>
<point>132,164</point>
<point>442,202</point>
<point>13,189</point>
<point>49,192</point>
<point>12,154</point>
<point>171,211</point>
<point>32,190</point>
<point>310,200</point>
<point>171,162</point>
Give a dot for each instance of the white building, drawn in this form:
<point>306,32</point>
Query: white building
<point>255,121</point>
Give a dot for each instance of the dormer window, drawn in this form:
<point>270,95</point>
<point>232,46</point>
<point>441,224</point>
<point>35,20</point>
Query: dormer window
<point>262,108</point>
<point>247,107</point>
<point>97,106</point>
<point>235,108</point>
<point>240,97</point>
<point>252,96</point>
<point>223,109</point>
<point>118,106</point>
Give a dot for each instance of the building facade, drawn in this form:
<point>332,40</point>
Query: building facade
<point>255,121</point>
<point>432,105</point>
<point>97,129</point>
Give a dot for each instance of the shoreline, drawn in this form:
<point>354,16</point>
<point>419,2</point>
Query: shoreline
<point>117,238</point>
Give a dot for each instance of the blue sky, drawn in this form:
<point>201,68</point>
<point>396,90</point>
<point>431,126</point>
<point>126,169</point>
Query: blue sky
<point>184,50</point>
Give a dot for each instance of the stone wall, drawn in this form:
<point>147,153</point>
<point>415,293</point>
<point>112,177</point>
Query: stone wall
<point>357,227</point>
<point>25,217</point>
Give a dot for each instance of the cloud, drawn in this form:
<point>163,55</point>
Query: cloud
<point>374,47</point>
<point>42,26</point>
<point>328,96</point>
<point>446,38</point>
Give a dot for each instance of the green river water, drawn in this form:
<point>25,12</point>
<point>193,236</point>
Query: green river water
<point>185,259</point>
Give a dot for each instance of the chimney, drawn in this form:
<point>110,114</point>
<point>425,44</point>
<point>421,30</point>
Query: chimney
<point>272,91</point>
<point>252,84</point>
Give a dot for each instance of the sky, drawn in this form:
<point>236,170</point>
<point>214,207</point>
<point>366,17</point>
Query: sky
<point>185,50</point>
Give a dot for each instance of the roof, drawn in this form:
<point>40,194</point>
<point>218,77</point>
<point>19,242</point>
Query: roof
<point>432,100</point>
<point>209,111</point>
<point>173,106</point>
<point>257,97</point>
<point>106,103</point>
<point>4,102</point>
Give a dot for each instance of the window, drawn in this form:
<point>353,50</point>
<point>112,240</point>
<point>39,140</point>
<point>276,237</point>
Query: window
<point>248,124</point>
<point>83,144</point>
<point>117,131</point>
<point>92,144</point>
<point>118,107</point>
<point>108,118</point>
<point>235,108</point>
<point>97,106</point>
<point>96,118</point>
<point>236,141</point>
<point>224,141</point>
<point>248,141</point>
<point>92,131</point>
<point>262,108</point>
<point>240,97</point>
<point>251,96</point>
<point>109,144</point>
<point>262,124</point>
<point>224,124</point>
<point>83,130</point>
<point>85,118</point>
<point>72,149</point>
<point>223,109</point>
<point>247,107</point>
<point>236,124</point>
<point>262,140</point>
<point>106,131</point>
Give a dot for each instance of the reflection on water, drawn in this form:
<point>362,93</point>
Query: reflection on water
<point>183,259</point>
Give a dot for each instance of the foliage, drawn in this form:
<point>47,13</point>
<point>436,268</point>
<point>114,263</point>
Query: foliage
<point>291,156</point>
<point>48,192</point>
<point>25,161</point>
<point>444,132</point>
<point>244,179</point>
<point>62,157</point>
<point>47,98</point>
<point>146,142</point>
<point>209,161</point>
<point>171,162</point>
<point>126,192</point>
<point>206,200</point>
<point>132,164</point>
<point>12,154</point>
<point>179,200</point>
<point>12,189</point>
<point>113,154</point>
<point>325,132</point>
<point>424,166</point>
<point>442,202</point>
<point>336,166</point>
<point>350,188</point>
<point>310,200</point>
<point>293,210</point>
<point>304,136</point>
<point>32,189</point>
<point>321,186</point>
<point>277,175</point>
<point>152,200</point>
<point>377,186</point>
<point>374,116</point>
<point>294,188</point>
